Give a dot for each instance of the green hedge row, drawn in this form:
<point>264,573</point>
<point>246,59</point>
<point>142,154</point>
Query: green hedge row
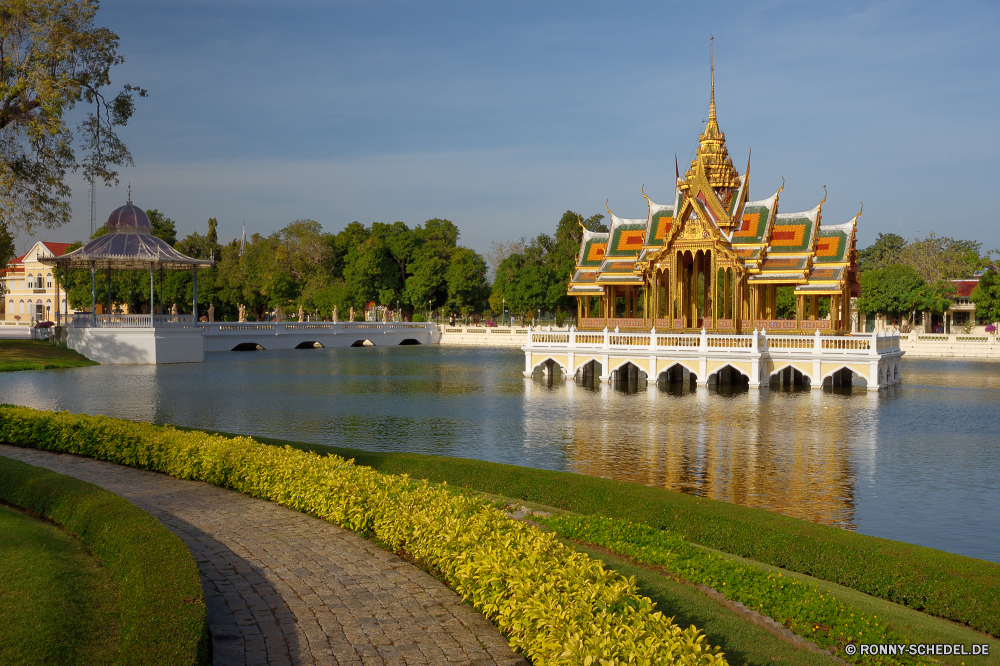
<point>555,605</point>
<point>163,617</point>
<point>951,586</point>
<point>805,609</point>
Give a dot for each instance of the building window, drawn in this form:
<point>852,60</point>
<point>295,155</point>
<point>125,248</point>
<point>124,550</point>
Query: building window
<point>48,280</point>
<point>31,281</point>
<point>20,308</point>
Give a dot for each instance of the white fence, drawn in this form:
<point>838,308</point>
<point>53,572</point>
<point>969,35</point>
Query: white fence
<point>873,344</point>
<point>87,320</point>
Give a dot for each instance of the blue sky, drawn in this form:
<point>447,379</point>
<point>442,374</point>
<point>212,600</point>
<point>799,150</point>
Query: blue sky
<point>501,116</point>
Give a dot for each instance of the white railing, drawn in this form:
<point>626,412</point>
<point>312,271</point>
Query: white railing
<point>871,344</point>
<point>235,327</point>
<point>88,320</point>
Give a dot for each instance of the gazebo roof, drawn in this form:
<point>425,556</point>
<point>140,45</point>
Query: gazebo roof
<point>128,245</point>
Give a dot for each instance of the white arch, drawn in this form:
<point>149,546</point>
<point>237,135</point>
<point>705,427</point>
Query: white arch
<point>587,359</point>
<point>680,364</point>
<point>615,368</point>
<point>716,372</point>
<point>562,367</point>
<point>794,369</point>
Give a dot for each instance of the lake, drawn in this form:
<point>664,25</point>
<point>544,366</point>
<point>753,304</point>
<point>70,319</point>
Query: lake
<point>916,463</point>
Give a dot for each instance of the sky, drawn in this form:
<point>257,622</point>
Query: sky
<point>500,116</point>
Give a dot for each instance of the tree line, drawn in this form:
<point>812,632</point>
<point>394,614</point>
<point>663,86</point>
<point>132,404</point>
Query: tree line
<point>900,278</point>
<point>409,270</point>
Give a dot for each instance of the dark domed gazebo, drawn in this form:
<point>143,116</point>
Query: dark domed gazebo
<point>129,244</point>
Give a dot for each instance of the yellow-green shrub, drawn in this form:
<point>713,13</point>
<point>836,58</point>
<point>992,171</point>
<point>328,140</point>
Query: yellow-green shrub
<point>555,605</point>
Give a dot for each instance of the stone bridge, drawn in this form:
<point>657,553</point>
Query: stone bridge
<point>232,336</point>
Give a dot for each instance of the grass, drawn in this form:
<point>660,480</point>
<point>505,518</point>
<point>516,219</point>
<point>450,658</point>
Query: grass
<point>161,604</point>
<point>58,605</point>
<point>954,587</point>
<point>38,355</point>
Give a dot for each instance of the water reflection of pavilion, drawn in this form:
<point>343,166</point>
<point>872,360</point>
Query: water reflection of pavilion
<point>786,452</point>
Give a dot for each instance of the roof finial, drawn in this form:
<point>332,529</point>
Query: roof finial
<point>711,108</point>
<point>129,193</point>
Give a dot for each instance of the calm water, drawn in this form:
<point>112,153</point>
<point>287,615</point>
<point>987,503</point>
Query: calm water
<point>918,463</point>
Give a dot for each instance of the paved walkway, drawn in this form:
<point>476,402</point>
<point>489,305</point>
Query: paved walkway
<point>285,588</point>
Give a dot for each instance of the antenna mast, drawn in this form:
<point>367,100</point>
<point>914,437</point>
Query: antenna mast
<point>93,206</point>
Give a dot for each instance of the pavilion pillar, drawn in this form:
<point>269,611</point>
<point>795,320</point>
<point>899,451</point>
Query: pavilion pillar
<point>194,305</point>
<point>109,289</point>
<point>152,296</point>
<point>814,306</point>
<point>798,311</point>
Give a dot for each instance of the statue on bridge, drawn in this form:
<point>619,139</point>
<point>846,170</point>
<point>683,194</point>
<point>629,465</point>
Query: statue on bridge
<point>351,315</point>
<point>302,314</point>
<point>334,314</point>
<point>211,311</point>
<point>173,308</point>
<point>242,312</point>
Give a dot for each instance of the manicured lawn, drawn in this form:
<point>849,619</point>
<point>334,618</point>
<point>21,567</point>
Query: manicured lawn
<point>57,604</point>
<point>38,355</point>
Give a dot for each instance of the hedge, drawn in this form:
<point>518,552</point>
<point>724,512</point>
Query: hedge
<point>805,609</point>
<point>163,617</point>
<point>555,605</point>
<point>959,588</point>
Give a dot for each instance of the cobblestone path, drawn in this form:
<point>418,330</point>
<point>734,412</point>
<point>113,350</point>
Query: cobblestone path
<point>285,588</point>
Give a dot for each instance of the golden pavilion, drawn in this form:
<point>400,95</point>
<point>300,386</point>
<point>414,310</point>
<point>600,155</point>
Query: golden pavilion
<point>714,259</point>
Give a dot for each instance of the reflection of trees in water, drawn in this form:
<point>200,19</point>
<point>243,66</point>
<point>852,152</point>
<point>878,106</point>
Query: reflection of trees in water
<point>789,453</point>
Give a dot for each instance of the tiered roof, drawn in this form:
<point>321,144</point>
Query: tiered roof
<point>787,248</point>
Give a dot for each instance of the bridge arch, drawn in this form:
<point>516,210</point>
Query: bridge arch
<point>309,345</point>
<point>362,343</point>
<point>248,346</point>
<point>729,374</point>
<point>789,374</point>
<point>409,341</point>
<point>626,370</point>
<point>675,373</point>
<point>842,376</point>
<point>547,363</point>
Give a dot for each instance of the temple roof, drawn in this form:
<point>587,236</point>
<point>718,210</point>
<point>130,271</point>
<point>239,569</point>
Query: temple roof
<point>833,243</point>
<point>592,248</point>
<point>627,237</point>
<point>756,221</point>
<point>660,222</point>
<point>794,232</point>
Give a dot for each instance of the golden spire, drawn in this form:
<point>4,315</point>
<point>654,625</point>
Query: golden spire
<point>711,107</point>
<point>713,158</point>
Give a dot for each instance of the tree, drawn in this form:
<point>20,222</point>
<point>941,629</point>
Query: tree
<point>898,290</point>
<point>163,227</point>
<point>537,277</point>
<point>986,296</point>
<point>942,258</point>
<point>466,278</point>
<point>884,252</point>
<point>52,57</point>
